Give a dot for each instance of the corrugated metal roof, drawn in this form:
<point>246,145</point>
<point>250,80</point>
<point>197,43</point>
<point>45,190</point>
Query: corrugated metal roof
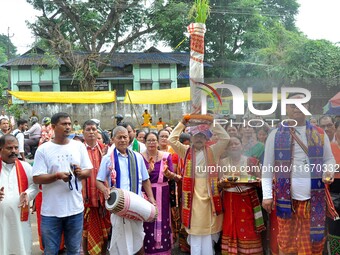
<point>36,57</point>
<point>124,59</point>
<point>29,60</point>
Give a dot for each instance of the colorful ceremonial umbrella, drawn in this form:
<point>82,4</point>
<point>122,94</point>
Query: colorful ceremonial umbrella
<point>333,106</point>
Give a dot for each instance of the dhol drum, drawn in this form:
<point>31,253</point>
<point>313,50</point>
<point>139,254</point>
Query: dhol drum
<point>129,205</point>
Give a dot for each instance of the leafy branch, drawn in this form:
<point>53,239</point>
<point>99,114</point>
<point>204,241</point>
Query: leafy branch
<point>200,11</point>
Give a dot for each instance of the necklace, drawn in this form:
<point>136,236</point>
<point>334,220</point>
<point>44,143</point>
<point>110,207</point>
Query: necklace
<point>149,157</point>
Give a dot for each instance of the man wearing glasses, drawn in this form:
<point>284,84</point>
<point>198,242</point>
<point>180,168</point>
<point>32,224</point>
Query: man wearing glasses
<point>327,124</point>
<point>59,166</point>
<point>124,169</point>
<point>298,156</point>
<point>134,144</point>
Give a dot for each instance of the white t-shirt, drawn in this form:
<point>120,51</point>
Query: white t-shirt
<point>50,158</point>
<point>21,139</point>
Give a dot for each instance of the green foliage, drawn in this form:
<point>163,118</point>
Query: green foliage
<point>5,46</point>
<point>48,60</point>
<point>238,26</point>
<point>314,61</point>
<point>200,11</point>
<point>3,99</point>
<point>287,57</point>
<point>16,110</point>
<point>4,43</point>
<point>3,71</point>
<point>172,22</point>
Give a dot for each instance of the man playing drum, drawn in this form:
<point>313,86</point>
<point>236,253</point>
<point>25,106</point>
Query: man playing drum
<point>126,170</point>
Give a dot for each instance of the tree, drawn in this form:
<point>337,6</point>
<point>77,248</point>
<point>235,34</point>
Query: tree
<point>266,66</point>
<point>235,29</point>
<point>7,45</point>
<point>240,26</point>
<point>314,61</point>
<point>7,50</point>
<point>91,27</point>
<point>3,71</point>
<point>288,57</point>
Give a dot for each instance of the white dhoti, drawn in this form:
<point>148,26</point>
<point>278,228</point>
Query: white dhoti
<point>127,236</point>
<point>202,244</point>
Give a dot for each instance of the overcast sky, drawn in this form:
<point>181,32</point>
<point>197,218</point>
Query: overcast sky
<point>317,19</point>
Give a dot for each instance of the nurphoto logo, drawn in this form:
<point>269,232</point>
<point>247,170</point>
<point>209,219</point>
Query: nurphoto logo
<point>238,102</point>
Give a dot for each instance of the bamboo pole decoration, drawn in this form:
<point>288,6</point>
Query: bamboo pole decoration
<point>200,11</point>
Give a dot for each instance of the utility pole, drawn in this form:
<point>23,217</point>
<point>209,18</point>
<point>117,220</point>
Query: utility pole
<point>9,56</point>
<point>9,72</point>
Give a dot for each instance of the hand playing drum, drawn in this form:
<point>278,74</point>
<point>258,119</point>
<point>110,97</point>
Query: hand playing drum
<point>106,193</point>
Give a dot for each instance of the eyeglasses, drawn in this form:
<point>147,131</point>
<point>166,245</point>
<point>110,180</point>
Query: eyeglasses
<point>151,141</point>
<point>329,125</point>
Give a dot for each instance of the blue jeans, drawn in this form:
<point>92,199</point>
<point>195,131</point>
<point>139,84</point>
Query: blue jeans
<point>52,228</point>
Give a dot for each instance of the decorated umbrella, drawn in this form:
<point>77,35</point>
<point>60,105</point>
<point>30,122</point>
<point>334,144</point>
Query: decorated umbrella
<point>333,106</point>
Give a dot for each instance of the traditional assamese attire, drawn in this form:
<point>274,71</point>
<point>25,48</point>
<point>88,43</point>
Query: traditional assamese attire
<point>15,226</point>
<point>334,225</point>
<point>126,172</point>
<point>178,230</point>
<point>300,192</point>
<point>243,220</point>
<point>158,235</point>
<point>201,202</point>
<point>97,223</point>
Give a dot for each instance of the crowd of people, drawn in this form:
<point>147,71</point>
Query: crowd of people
<point>211,184</point>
